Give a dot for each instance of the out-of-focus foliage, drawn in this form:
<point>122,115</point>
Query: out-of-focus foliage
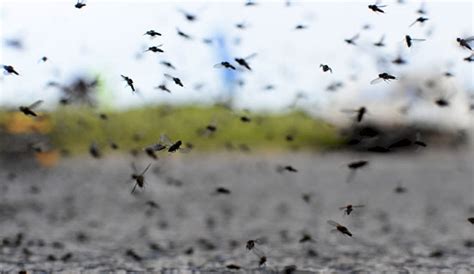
<point>74,129</point>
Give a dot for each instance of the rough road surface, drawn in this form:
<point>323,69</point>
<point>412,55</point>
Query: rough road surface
<point>81,216</point>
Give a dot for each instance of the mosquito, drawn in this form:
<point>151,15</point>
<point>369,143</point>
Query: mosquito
<point>139,178</point>
<point>28,110</point>
<point>344,230</point>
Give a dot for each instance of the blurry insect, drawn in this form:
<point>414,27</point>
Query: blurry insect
<point>233,266</point>
<point>409,41</point>
<point>280,169</point>
<point>422,9</point>
<point>167,64</point>
<point>9,70</point>
<point>464,42</point>
<point>262,261</point>
<point>353,167</point>
<point>245,119</point>
<point>357,164</point>
<point>306,197</point>
<point>471,220</point>
<point>400,189</point>
<point>152,33</point>
<point>151,153</point>
<point>29,109</point>
<point>132,254</point>
<point>161,145</point>
<point>190,17</point>
<point>176,80</point>
<point>155,49</point>
<point>80,4</point>
<point>377,7</point>
<point>250,3</point>
<point>351,41</point>
<point>420,20</point>
<point>129,82</point>
<point>243,61</point>
<point>222,190</point>
<point>113,145</point>
<point>443,100</point>
<point>361,112</point>
<point>349,208</point>
<point>399,60</point>
<point>139,178</point>
<point>334,86</point>
<point>174,147</point>
<point>43,59</point>
<point>306,238</point>
<point>469,58</point>
<point>182,34</point>
<point>241,25</point>
<point>325,68</point>
<point>340,228</point>
<point>380,43</point>
<point>269,87</point>
<point>94,151</point>
<point>224,64</point>
<point>383,76</point>
<point>163,87</point>
<point>299,27</point>
<point>289,269</point>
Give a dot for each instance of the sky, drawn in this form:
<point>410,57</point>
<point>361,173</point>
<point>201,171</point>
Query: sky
<point>106,38</point>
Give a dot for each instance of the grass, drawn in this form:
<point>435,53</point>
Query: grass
<point>75,129</point>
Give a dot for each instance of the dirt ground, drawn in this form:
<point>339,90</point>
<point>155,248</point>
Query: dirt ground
<point>81,215</point>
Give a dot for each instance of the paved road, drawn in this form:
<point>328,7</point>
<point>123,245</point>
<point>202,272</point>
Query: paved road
<point>82,216</point>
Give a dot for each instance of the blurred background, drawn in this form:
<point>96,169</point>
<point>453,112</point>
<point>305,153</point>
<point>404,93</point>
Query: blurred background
<point>88,49</point>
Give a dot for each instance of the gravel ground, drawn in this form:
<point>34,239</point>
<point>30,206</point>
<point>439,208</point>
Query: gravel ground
<point>81,215</point>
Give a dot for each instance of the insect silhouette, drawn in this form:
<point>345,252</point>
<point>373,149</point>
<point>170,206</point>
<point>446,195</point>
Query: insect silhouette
<point>139,178</point>
<point>129,82</point>
<point>182,34</point>
<point>469,58</point>
<point>155,49</point>
<point>471,220</point>
<point>224,64</point>
<point>189,16</point>
<point>409,40</point>
<point>152,33</point>
<point>377,7</point>
<point>233,267</point>
<point>383,76</point>
<point>222,190</point>
<point>349,208</point>
<point>163,87</point>
<point>344,230</point>
<point>464,42</point>
<point>80,4</point>
<point>94,151</point>
<point>352,40</point>
<point>167,64</point>
<point>361,112</point>
<point>288,168</point>
<point>399,60</point>
<point>420,20</point>
<point>353,167</point>
<point>299,27</point>
<point>325,68</point>
<point>400,189</point>
<point>28,110</point>
<point>380,43</point>
<point>243,61</point>
<point>176,80</point>
<point>10,70</point>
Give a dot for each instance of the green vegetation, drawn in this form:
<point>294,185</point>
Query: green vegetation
<point>75,129</point>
